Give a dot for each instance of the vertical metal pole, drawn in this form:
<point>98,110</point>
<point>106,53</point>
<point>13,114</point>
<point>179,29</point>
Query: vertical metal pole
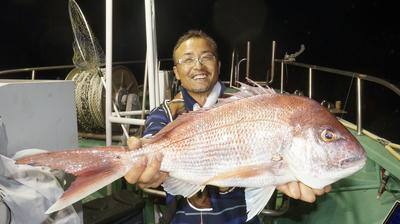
<point>310,82</point>
<point>162,76</point>
<point>108,70</point>
<point>108,77</point>
<point>232,69</point>
<point>156,88</point>
<point>359,115</point>
<point>146,75</point>
<point>236,73</point>
<point>151,51</point>
<point>33,74</point>
<point>248,60</point>
<point>281,77</point>
<point>158,84</point>
<point>272,63</point>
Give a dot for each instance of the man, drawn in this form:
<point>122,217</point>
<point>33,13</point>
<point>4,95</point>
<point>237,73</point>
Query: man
<point>197,67</point>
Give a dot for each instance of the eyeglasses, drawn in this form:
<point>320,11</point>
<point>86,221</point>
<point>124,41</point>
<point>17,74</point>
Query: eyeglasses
<point>204,60</point>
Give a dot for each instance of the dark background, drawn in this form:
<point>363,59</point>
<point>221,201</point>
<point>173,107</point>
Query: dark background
<point>356,35</point>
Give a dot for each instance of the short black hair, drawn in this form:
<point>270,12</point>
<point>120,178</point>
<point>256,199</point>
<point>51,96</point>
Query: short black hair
<point>195,34</point>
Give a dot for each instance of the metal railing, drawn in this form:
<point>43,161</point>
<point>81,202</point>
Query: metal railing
<point>290,60</point>
<point>33,70</point>
<point>115,115</point>
<point>356,75</point>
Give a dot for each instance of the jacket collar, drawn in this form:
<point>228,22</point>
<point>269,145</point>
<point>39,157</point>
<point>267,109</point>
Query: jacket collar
<point>190,102</point>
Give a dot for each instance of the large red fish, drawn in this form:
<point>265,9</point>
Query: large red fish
<point>256,139</point>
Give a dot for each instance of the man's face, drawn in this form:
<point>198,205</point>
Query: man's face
<point>197,78</point>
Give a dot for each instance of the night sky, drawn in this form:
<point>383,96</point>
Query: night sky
<point>361,36</point>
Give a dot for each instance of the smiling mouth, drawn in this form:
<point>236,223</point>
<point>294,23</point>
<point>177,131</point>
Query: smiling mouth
<point>200,76</point>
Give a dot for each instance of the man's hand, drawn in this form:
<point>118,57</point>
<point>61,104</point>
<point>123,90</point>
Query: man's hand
<point>298,190</point>
<point>141,173</point>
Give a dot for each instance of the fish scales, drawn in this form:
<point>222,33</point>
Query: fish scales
<point>227,138</point>
<point>256,139</point>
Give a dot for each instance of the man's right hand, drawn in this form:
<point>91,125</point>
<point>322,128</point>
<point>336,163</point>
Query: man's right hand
<point>144,174</point>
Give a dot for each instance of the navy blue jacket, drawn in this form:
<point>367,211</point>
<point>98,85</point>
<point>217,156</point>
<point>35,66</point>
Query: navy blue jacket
<point>227,208</point>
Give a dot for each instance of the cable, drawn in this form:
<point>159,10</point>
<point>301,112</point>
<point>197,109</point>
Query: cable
<point>388,145</point>
<point>347,96</point>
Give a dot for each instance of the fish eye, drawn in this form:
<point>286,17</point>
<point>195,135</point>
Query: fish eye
<point>328,135</point>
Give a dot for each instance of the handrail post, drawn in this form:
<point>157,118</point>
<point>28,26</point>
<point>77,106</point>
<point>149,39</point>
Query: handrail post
<point>232,69</point>
<point>359,117</point>
<point>248,60</point>
<point>109,14</point>
<point>238,69</point>
<point>33,74</point>
<point>272,63</point>
<point>151,45</point>
<point>281,77</point>
<point>310,83</point>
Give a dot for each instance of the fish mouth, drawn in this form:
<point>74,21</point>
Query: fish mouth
<point>353,161</point>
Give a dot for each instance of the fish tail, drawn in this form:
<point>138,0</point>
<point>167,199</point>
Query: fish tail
<point>94,168</point>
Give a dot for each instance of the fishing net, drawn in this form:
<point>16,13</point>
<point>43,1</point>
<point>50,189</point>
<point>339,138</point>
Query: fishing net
<point>89,77</point>
<point>88,55</point>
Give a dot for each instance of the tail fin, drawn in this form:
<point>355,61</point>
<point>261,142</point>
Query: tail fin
<point>93,167</point>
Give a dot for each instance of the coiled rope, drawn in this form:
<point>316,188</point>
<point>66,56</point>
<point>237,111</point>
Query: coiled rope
<point>89,96</point>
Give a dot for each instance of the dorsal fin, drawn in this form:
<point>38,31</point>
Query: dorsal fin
<point>245,91</point>
<point>256,89</point>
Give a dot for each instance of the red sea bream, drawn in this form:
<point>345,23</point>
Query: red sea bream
<point>256,139</point>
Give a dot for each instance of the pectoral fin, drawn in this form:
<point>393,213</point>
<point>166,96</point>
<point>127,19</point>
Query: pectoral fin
<point>257,199</point>
<point>177,187</point>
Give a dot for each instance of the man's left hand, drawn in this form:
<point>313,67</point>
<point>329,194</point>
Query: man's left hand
<point>298,190</point>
